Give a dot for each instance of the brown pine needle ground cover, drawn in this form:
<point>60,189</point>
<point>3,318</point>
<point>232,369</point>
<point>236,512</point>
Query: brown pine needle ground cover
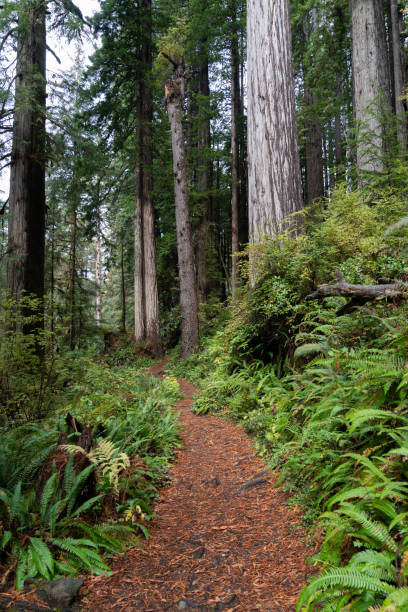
<point>225,539</point>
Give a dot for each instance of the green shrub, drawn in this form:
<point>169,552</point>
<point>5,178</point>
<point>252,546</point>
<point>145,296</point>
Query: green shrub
<point>325,396</point>
<point>27,361</point>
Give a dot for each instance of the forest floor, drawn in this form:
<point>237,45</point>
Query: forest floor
<point>225,538</point>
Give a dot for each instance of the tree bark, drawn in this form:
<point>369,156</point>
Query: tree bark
<point>122,288</point>
<point>72,281</point>
<point>235,112</point>
<point>204,183</point>
<point>138,290</point>
<point>151,300</point>
<point>313,150</point>
<point>398,79</point>
<point>243,228</point>
<point>188,290</point>
<point>274,182</point>
<point>370,80</point>
<point>313,139</point>
<point>26,229</point>
<point>98,272</point>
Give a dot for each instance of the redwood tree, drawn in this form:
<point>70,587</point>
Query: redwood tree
<point>274,182</point>
<point>26,228</point>
<point>370,81</point>
<point>188,289</point>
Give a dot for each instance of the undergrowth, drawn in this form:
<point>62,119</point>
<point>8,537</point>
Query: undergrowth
<point>77,485</point>
<point>323,390</point>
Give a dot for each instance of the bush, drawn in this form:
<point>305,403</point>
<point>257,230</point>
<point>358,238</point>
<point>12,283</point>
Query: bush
<point>27,361</point>
<point>64,505</point>
<point>324,395</point>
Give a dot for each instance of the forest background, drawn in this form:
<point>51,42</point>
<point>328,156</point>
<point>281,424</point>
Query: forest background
<point>306,164</point>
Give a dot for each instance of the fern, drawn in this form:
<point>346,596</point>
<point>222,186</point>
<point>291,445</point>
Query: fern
<point>108,460</point>
<point>309,349</point>
<point>397,601</point>
<point>79,481</point>
<point>82,553</point>
<point>69,475</point>
<point>377,531</point>
<point>343,578</point>
<point>42,557</point>
<point>49,490</point>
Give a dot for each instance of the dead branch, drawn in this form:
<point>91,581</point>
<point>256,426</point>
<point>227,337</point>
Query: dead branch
<point>363,292</point>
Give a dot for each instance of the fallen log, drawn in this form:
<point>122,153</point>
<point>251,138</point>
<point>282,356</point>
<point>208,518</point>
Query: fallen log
<point>363,292</point>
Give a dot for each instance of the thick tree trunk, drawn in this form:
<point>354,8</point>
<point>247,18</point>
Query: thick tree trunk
<point>370,81</point>
<point>313,150</point>
<point>98,271</point>
<point>122,288</point>
<point>151,300</point>
<point>235,113</point>
<point>274,182</point>
<point>243,229</point>
<point>398,79</point>
<point>26,229</point>
<point>188,290</point>
<point>98,281</point>
<point>341,33</point>
<point>72,281</point>
<point>138,251</point>
<point>52,270</point>
<point>313,135</point>
<point>204,182</point>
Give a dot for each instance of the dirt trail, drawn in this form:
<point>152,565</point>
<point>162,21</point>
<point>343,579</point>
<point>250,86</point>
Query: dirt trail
<point>225,539</point>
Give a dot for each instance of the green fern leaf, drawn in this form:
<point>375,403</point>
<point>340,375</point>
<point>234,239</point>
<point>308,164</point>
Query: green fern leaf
<point>86,506</point>
<point>80,479</point>
<point>310,349</point>
<point>374,529</point>
<point>49,489</point>
<point>42,557</point>
<point>69,475</point>
<point>343,578</point>
<point>397,601</point>
<point>15,501</point>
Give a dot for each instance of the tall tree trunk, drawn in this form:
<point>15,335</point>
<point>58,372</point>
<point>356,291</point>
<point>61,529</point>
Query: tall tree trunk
<point>138,289</point>
<point>204,183</point>
<point>26,230</point>
<point>72,281</point>
<point>235,113</point>
<point>52,271</point>
<point>150,296</point>
<point>397,74</point>
<point>243,229</point>
<point>274,181</point>
<point>340,29</point>
<point>313,150</point>
<point>313,136</point>
<point>98,273</point>
<point>370,80</point>
<point>122,288</point>
<point>188,290</point>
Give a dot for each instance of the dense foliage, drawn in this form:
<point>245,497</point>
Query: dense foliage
<point>88,247</point>
<point>325,393</point>
<point>78,484</point>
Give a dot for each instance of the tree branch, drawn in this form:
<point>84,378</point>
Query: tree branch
<point>364,292</point>
<point>54,54</point>
<point>171,60</point>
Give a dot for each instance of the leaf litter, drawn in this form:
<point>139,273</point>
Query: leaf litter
<point>224,538</point>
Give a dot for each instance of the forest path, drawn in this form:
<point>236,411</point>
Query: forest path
<point>225,539</point>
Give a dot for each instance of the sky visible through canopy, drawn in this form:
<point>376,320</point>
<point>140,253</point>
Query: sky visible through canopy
<point>66,53</point>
